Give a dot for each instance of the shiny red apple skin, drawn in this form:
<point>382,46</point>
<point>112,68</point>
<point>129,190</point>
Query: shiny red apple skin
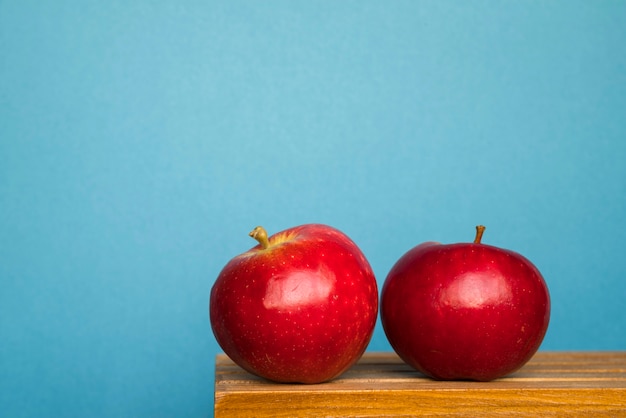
<point>302,310</point>
<point>466,311</point>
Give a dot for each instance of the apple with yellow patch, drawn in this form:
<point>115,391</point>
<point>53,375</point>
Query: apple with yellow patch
<point>299,307</point>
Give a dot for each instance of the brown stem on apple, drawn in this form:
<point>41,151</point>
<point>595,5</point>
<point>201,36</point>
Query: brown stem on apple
<point>479,234</point>
<point>260,234</point>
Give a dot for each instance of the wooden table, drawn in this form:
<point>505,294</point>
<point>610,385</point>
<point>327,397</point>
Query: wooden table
<point>380,384</point>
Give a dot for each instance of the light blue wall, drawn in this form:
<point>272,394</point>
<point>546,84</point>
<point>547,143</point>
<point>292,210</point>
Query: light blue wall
<point>140,141</point>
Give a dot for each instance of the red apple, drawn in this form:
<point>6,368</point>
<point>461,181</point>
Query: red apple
<point>466,311</point>
<point>299,307</point>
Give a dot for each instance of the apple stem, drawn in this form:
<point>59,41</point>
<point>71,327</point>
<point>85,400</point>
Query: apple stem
<point>260,234</point>
<point>480,229</point>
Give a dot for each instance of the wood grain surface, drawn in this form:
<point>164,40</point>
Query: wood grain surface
<point>380,384</point>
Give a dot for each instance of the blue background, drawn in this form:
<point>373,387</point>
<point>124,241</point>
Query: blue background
<point>141,141</point>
